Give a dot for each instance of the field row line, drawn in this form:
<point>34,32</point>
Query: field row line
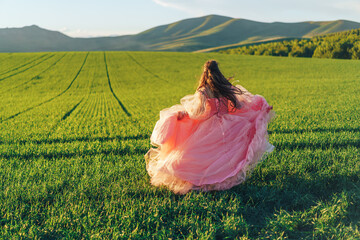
<point>146,69</point>
<point>49,100</point>
<point>140,150</point>
<point>77,74</point>
<point>52,65</point>
<point>67,114</point>
<point>86,107</point>
<point>112,91</point>
<point>86,110</point>
<point>11,75</point>
<point>13,69</point>
<point>78,139</point>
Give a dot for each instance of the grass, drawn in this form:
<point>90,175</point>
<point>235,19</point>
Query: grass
<point>74,128</point>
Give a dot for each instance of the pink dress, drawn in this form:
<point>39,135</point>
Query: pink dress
<point>211,148</point>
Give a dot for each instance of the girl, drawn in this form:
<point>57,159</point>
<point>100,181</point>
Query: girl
<point>212,139</point>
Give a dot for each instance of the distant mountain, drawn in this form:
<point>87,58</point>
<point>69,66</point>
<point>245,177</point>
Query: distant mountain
<point>195,34</point>
<point>36,39</point>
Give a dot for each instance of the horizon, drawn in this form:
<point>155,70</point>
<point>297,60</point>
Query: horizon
<point>117,18</point>
<point>99,36</point>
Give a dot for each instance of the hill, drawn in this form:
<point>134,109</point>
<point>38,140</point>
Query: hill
<point>36,39</point>
<point>195,34</point>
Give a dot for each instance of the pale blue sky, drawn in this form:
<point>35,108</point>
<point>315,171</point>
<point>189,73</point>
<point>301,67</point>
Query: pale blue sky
<point>118,17</point>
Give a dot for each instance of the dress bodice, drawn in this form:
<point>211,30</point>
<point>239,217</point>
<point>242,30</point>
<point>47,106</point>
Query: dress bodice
<point>218,106</point>
<point>201,106</point>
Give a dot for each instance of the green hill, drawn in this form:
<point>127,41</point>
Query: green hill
<point>195,34</point>
<point>205,33</point>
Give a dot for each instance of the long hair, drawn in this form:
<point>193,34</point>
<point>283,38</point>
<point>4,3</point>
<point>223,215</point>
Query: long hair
<point>219,85</point>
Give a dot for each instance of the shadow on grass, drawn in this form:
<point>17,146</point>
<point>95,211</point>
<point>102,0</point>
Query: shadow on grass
<point>295,194</point>
<point>317,145</point>
<point>259,202</point>
<point>78,139</point>
<point>319,130</point>
<point>60,154</point>
<point>126,151</point>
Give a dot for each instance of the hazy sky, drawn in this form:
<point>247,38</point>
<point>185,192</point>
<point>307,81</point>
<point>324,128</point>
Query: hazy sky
<point>118,17</point>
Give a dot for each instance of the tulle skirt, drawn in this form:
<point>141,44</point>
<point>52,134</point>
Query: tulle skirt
<point>213,153</point>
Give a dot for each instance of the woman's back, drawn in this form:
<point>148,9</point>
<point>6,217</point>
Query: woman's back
<point>221,104</point>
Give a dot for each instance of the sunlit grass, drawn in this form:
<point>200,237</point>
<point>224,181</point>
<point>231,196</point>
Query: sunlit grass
<point>71,158</point>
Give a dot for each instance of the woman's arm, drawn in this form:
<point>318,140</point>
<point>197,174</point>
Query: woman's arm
<point>181,115</point>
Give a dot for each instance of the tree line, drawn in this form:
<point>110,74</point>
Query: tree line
<point>342,45</point>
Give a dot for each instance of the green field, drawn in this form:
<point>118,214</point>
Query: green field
<point>74,128</point>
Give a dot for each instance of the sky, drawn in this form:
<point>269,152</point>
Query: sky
<point>90,18</point>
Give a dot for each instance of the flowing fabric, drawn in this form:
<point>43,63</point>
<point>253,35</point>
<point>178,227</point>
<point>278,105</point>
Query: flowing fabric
<point>213,147</point>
